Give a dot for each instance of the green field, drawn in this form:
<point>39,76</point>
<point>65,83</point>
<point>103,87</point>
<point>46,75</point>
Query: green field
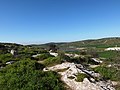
<point>108,54</point>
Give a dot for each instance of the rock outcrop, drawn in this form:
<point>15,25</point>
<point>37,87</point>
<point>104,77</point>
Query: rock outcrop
<point>71,70</point>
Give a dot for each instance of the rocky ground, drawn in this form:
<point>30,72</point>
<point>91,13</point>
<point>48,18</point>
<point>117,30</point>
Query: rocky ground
<point>67,70</point>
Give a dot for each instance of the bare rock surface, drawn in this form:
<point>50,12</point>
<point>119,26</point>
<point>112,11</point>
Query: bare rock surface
<point>72,70</point>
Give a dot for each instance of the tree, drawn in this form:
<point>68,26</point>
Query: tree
<point>53,48</point>
<point>63,57</point>
<point>93,53</point>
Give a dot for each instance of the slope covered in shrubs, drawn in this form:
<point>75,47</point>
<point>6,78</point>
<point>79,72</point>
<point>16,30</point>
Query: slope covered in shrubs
<point>28,75</point>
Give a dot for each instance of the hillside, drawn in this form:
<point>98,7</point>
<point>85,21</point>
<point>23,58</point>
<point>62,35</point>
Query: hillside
<point>34,67</point>
<point>91,43</point>
<point>95,43</point>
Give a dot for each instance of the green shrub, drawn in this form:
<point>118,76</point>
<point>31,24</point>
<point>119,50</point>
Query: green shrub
<point>80,77</point>
<point>6,57</point>
<point>23,75</point>
<point>44,56</point>
<point>42,51</point>
<point>83,60</point>
<point>108,73</point>
<point>63,56</point>
<point>52,61</point>
<point>107,54</point>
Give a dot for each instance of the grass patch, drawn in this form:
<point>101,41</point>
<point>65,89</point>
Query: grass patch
<point>52,61</point>
<point>108,54</point>
<point>108,73</point>
<point>43,56</point>
<point>80,77</point>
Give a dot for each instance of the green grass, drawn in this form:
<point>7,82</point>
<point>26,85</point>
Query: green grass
<point>52,61</point>
<point>107,54</point>
<point>80,77</point>
<point>108,73</point>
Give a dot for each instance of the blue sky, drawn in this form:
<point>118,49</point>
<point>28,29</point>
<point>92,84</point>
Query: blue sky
<point>41,21</point>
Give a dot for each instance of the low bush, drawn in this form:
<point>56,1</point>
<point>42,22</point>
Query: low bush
<point>6,57</point>
<point>23,75</point>
<point>63,56</point>
<point>108,73</point>
<point>82,60</point>
<point>108,54</point>
<point>80,77</point>
<point>52,61</point>
<point>43,56</point>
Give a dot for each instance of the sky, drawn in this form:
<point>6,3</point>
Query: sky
<point>42,21</point>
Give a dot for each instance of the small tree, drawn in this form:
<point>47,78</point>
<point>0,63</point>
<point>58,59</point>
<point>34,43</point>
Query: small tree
<point>53,48</point>
<point>63,56</point>
<point>93,53</point>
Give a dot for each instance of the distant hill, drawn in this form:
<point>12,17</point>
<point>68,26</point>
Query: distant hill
<point>10,44</point>
<point>97,43</point>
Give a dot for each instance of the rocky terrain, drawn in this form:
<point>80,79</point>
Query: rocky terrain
<point>72,69</point>
<point>89,68</point>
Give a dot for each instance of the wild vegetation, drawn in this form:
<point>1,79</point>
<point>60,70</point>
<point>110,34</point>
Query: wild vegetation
<point>26,73</point>
<point>108,73</point>
<point>80,77</point>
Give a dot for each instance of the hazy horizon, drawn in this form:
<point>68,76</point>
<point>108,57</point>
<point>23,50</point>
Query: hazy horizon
<point>44,21</point>
<point>39,42</point>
